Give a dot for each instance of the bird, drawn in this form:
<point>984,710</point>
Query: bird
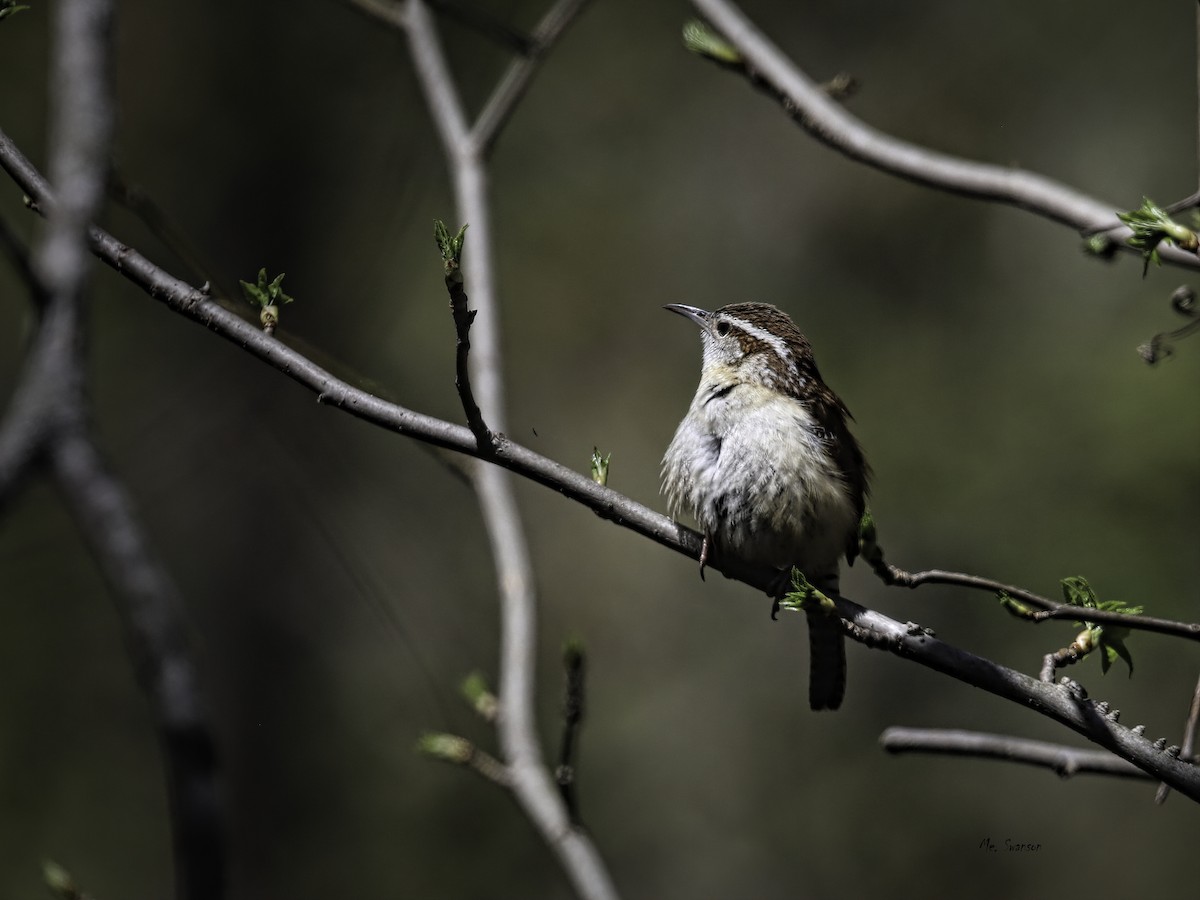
<point>765,462</point>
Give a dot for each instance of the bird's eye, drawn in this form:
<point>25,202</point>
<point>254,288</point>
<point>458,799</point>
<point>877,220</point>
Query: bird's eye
<point>722,328</point>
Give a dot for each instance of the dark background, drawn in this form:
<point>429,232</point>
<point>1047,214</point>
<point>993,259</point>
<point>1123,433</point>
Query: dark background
<point>337,577</point>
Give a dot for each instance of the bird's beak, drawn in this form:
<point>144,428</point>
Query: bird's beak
<point>697,315</point>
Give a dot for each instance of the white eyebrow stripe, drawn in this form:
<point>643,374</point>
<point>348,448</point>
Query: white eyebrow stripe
<point>773,340</point>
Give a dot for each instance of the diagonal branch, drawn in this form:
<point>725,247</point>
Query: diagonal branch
<point>515,82</point>
<point>1063,760</point>
<point>1188,749</point>
<point>156,639</point>
<point>769,68</point>
<point>48,419</point>
<point>1047,609</point>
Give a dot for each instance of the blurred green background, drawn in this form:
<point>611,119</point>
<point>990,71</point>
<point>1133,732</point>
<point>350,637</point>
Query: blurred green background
<point>337,577</point>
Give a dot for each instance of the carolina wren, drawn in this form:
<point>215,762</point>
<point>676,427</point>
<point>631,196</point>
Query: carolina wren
<point>765,462</point>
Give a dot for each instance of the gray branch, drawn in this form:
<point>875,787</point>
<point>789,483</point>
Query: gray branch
<point>515,82</point>
<point>152,620</point>
<point>465,150</point>
<point>829,122</point>
<point>1065,761</point>
<point>1047,609</point>
<point>48,419</point>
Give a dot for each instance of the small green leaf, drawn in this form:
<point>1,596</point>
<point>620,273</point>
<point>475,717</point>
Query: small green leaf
<point>267,295</point>
<point>450,246</point>
<point>804,595</point>
<point>275,290</point>
<point>699,38</point>
<point>1108,639</point>
<point>1077,592</point>
<point>254,294</point>
<point>1014,606</point>
<point>477,693</point>
<point>600,466</point>
<point>868,540</point>
<point>866,527</point>
<point>446,747</point>
<point>574,651</point>
<point>1115,647</point>
<point>60,882</point>
<point>1149,226</point>
<point>1100,245</point>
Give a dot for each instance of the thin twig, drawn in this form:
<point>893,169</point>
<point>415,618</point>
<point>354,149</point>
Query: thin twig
<point>49,418</point>
<point>391,13</point>
<point>770,69</point>
<point>573,707</point>
<point>1188,747</point>
<point>1047,609</point>
<point>451,248</point>
<point>515,82</point>
<point>1065,761</point>
<point>157,641</point>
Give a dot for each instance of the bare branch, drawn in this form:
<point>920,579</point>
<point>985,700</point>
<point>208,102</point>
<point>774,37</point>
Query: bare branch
<point>157,642</point>
<point>1066,704</point>
<point>529,777</point>
<point>769,68</point>
<point>1189,738</point>
<point>512,86</point>
<point>437,84</point>
<point>451,249</point>
<point>1065,761</point>
<point>459,751</point>
<point>49,417</point>
<point>1047,609</point>
<point>81,127</point>
<point>573,706</point>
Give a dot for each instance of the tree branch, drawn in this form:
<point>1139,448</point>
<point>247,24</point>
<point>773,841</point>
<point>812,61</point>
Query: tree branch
<point>450,247</point>
<point>1065,761</point>
<point>769,68</point>
<point>157,643</point>
<point>1187,751</point>
<point>515,82</point>
<point>48,418</point>
<point>573,707</point>
<point>529,777</point>
<point>1065,703</point>
<point>1047,608</point>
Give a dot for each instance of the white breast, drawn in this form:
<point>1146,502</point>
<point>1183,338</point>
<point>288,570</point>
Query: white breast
<point>749,465</point>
